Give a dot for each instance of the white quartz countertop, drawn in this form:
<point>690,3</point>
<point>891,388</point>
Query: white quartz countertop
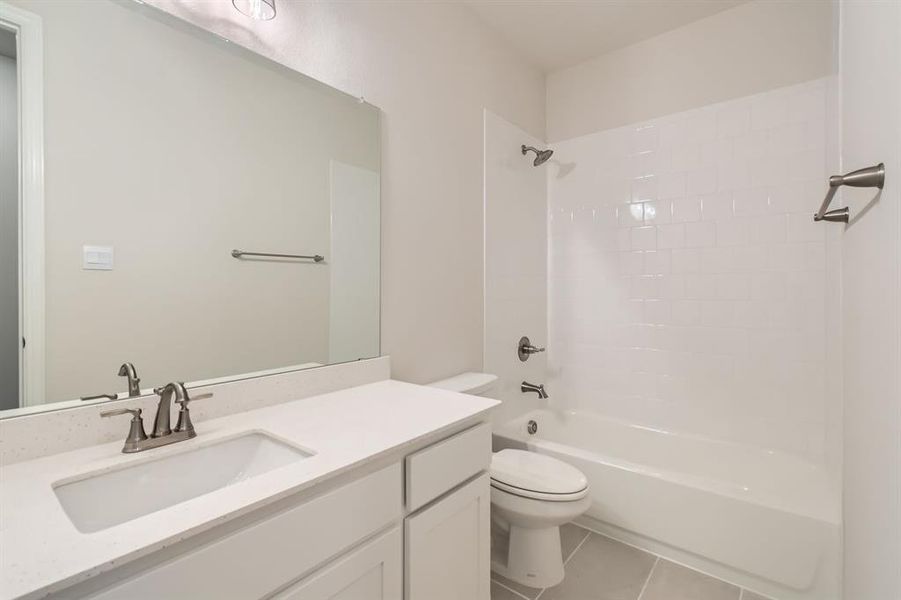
<point>41,551</point>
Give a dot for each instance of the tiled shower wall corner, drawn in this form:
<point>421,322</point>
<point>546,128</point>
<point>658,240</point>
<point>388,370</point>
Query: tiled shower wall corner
<point>689,288</point>
<point>515,264</point>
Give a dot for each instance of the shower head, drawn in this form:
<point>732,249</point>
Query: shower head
<point>541,156</point>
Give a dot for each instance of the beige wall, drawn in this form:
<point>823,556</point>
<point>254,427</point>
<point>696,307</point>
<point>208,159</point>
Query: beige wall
<point>174,149</point>
<point>432,68</point>
<point>755,47</point>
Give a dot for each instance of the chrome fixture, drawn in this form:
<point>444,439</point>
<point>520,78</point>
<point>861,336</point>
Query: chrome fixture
<point>868,177</point>
<point>261,10</point>
<point>541,156</point>
<point>163,435</point>
<point>134,382</point>
<point>525,349</point>
<point>532,427</point>
<point>243,253</point>
<point>136,433</point>
<point>531,387</point>
<point>99,396</point>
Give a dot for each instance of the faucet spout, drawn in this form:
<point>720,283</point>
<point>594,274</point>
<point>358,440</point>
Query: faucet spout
<point>531,387</point>
<point>162,422</point>
<point>134,382</point>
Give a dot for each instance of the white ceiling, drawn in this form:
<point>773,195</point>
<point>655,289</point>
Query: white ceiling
<point>554,34</point>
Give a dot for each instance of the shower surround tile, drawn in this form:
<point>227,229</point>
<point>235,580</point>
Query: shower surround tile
<point>710,293</point>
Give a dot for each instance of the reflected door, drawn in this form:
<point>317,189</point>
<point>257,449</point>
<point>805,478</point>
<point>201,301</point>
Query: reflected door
<point>10,337</point>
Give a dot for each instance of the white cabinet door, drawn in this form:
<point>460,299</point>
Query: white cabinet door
<point>447,549</point>
<point>371,572</point>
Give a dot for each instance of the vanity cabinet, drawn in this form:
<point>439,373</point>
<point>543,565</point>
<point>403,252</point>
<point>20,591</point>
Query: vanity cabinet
<point>447,554</point>
<point>447,546</point>
<point>264,556</point>
<point>417,529</point>
<point>372,572</point>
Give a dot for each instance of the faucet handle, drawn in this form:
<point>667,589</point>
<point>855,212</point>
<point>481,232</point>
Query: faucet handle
<point>136,433</point>
<point>134,412</point>
<point>524,349</point>
<point>184,413</point>
<point>188,398</point>
<point>99,396</point>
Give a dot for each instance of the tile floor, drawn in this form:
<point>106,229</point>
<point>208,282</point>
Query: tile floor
<point>600,568</point>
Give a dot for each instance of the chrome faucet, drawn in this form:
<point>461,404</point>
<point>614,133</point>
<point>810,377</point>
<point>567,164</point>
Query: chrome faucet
<point>531,387</point>
<point>164,408</point>
<point>163,434</point>
<point>134,382</point>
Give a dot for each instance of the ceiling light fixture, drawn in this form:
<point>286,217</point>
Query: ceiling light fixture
<point>261,10</point>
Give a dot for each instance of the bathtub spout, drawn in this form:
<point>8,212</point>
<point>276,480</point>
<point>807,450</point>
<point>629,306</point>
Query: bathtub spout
<point>531,387</point>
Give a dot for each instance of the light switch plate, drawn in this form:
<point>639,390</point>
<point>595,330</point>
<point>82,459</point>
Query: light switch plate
<point>97,258</point>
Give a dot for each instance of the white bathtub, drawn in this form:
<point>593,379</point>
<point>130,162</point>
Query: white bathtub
<point>766,520</point>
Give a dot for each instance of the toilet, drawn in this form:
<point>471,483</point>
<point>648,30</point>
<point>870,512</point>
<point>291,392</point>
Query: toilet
<point>532,495</point>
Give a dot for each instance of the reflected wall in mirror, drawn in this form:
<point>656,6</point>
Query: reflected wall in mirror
<point>165,148</point>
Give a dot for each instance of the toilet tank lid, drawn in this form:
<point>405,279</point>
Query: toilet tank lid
<point>467,383</point>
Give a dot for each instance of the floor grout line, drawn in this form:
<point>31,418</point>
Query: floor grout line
<point>588,533</point>
<point>648,580</point>
<point>608,536</point>
<point>576,549</point>
<point>568,558</point>
<point>512,591</point>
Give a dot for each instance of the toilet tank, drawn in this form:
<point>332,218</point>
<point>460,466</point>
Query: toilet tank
<point>477,384</point>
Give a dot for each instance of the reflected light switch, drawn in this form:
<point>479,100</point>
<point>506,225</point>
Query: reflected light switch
<point>97,258</point>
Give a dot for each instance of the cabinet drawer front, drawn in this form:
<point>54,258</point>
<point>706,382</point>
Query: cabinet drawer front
<point>442,466</point>
<point>371,572</point>
<point>264,556</point>
<point>447,554</point>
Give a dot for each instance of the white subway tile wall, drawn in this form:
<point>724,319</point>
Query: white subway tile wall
<point>687,279</point>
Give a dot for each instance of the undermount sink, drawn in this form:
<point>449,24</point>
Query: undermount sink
<point>98,501</point>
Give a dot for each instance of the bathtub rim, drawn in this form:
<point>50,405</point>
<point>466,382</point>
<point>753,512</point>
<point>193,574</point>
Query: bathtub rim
<point>828,511</point>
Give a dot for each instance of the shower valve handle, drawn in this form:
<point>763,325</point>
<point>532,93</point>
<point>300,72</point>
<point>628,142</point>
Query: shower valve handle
<point>525,349</point>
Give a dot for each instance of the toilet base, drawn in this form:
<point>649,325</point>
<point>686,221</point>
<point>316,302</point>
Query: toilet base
<point>534,557</point>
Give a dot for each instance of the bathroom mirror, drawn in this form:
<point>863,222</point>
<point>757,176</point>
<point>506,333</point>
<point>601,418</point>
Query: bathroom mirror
<point>158,165</point>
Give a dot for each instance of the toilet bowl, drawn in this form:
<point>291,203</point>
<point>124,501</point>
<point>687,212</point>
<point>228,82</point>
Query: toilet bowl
<point>532,495</point>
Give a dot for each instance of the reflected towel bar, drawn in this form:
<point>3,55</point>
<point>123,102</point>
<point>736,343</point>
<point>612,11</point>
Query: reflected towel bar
<point>241,253</point>
<point>868,177</point>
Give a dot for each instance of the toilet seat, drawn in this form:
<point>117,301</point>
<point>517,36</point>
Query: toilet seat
<point>536,476</point>
<point>533,495</point>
